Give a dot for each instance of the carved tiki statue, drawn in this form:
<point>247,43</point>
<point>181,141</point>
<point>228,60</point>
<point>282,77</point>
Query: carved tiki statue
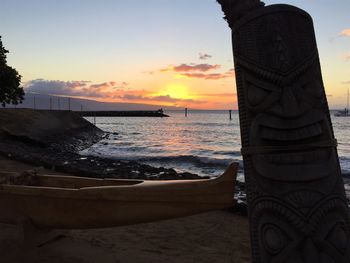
<point>298,211</point>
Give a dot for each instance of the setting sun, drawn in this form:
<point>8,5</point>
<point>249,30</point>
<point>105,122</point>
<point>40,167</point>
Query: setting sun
<point>177,91</point>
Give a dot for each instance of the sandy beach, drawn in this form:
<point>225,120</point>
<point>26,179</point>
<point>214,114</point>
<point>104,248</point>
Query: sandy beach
<point>218,236</point>
<point>211,237</point>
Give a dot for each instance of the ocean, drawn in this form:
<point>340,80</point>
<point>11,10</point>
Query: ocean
<point>204,143</point>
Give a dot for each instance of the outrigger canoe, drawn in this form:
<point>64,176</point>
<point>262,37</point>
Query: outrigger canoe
<point>67,202</point>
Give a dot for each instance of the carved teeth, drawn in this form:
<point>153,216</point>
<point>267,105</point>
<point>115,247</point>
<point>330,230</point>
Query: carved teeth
<point>298,158</point>
<point>291,135</point>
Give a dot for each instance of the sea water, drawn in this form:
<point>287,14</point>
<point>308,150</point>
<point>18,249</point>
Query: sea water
<point>204,142</point>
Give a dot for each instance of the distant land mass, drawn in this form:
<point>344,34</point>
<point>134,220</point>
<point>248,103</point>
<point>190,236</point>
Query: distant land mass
<point>42,101</point>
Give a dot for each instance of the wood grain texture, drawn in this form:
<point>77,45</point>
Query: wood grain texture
<point>297,207</point>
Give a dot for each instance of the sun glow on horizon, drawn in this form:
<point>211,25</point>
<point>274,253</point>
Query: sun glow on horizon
<point>176,91</point>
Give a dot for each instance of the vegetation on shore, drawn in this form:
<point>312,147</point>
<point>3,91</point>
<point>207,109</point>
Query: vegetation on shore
<point>11,91</point>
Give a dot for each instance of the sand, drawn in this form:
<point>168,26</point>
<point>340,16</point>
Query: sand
<point>218,236</point>
<point>211,237</point>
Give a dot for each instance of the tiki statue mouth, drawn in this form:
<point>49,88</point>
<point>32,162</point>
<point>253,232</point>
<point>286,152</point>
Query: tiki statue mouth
<point>298,149</point>
<point>296,166</point>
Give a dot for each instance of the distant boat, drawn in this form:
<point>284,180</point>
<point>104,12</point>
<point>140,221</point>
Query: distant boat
<point>345,112</point>
<point>68,202</point>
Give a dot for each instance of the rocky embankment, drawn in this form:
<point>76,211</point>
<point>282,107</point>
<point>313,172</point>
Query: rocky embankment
<point>52,139</point>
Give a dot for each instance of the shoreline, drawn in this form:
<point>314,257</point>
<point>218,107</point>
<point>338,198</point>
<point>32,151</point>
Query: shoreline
<point>64,157</point>
<point>53,139</point>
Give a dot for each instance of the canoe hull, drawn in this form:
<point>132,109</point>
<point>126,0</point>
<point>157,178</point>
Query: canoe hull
<point>82,214</point>
<point>98,207</point>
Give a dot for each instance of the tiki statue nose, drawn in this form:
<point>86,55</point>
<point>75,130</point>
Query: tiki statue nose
<point>310,252</point>
<point>289,102</point>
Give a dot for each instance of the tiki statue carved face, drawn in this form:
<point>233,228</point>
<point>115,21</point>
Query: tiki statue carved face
<point>285,100</point>
<point>298,210</point>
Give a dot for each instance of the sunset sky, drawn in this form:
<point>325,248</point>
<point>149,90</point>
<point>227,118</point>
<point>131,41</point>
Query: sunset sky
<point>169,52</point>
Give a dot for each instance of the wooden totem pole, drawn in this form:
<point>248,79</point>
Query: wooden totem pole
<point>297,206</point>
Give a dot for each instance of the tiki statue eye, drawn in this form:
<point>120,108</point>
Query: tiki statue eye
<point>274,239</point>
<point>256,95</point>
<point>314,88</point>
<point>338,237</point>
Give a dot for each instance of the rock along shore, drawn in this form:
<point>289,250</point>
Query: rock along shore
<point>52,139</point>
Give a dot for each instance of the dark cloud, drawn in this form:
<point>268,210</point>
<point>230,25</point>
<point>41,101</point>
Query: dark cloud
<point>102,85</point>
<point>72,88</point>
<point>204,56</point>
<point>110,84</point>
<point>55,87</point>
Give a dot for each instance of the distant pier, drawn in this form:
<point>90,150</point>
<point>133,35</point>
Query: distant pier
<point>158,113</point>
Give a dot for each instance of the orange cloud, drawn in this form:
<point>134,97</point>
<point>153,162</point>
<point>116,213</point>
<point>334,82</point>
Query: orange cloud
<point>212,76</point>
<point>219,95</point>
<point>191,67</point>
<point>199,71</point>
<point>345,33</point>
<point>347,57</point>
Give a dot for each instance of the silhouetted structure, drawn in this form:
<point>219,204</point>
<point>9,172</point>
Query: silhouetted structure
<point>345,112</point>
<point>298,211</point>
<point>158,113</point>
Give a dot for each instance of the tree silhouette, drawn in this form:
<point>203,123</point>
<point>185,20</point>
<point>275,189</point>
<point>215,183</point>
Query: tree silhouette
<point>234,10</point>
<point>10,81</point>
